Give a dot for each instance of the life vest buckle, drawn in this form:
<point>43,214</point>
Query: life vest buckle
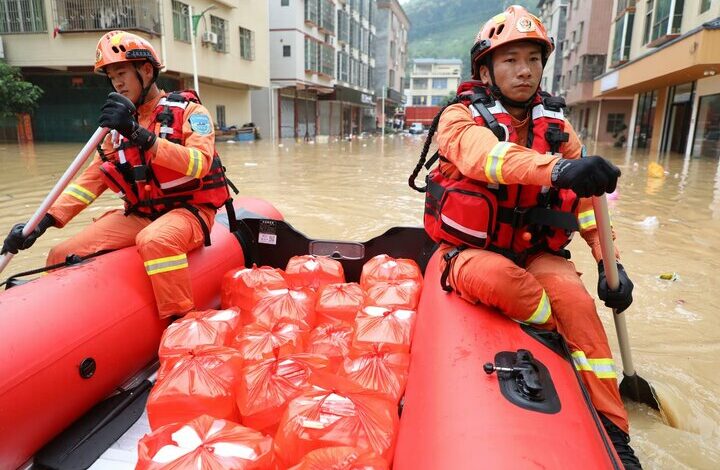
<point>141,173</point>
<point>518,217</point>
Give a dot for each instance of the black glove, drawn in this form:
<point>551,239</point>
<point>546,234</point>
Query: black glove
<point>589,176</point>
<point>618,299</point>
<point>118,113</point>
<point>15,240</point>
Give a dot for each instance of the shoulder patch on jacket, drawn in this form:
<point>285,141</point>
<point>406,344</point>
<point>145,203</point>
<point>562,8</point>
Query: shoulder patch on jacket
<point>201,124</point>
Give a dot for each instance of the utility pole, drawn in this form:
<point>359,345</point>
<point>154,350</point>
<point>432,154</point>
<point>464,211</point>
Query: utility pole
<point>382,123</point>
<point>196,85</point>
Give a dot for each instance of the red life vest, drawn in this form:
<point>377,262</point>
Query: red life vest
<point>153,190</point>
<point>514,220</point>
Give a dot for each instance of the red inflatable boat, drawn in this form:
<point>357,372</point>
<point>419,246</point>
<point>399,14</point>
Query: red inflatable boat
<point>483,391</point>
<point>70,338</point>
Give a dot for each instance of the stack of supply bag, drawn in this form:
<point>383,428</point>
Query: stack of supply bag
<point>300,370</point>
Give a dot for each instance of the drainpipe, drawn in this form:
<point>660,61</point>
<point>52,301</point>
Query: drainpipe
<point>163,51</point>
<point>597,124</point>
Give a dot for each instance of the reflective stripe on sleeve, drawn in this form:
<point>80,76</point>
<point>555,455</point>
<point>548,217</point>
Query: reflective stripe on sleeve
<point>163,265</point>
<point>603,368</point>
<point>542,312</point>
<point>195,163</point>
<point>494,162</point>
<point>80,193</point>
<point>586,220</point>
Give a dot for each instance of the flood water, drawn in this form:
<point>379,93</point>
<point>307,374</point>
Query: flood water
<point>667,221</point>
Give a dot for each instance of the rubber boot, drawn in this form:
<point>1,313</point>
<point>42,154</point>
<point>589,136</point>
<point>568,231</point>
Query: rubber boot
<point>621,442</point>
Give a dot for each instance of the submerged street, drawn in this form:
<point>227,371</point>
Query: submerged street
<point>666,214</point>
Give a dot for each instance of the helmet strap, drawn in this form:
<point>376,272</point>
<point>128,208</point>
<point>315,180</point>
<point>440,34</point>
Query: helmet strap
<point>146,89</point>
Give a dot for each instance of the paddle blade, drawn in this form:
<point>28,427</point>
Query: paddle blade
<point>639,390</point>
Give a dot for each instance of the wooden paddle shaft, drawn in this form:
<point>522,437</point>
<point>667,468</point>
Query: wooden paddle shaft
<point>63,182</point>
<point>602,218</point>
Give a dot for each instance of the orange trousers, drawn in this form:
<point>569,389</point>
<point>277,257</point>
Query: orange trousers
<point>549,294</point>
<point>163,245</point>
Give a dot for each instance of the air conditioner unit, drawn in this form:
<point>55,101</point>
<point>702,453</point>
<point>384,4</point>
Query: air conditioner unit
<point>572,46</point>
<point>209,37</point>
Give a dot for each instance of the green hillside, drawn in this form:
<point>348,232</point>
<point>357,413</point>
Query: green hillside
<point>445,29</point>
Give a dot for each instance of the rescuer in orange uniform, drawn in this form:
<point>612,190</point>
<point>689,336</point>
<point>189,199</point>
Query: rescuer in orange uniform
<point>509,190</point>
<point>161,160</point>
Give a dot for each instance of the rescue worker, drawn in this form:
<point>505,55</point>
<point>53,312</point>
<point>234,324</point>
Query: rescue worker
<point>509,190</point>
<point>161,159</point>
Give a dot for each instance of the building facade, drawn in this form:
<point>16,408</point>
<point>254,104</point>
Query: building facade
<point>321,69</point>
<point>432,81</point>
<point>553,15</point>
<point>583,58</point>
<point>665,55</point>
<point>391,55</point>
<point>53,42</point>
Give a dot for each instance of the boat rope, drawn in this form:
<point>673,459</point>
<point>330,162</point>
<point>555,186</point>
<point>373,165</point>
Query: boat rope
<point>70,260</point>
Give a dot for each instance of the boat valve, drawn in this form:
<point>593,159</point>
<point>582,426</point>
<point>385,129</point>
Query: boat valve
<point>525,373</point>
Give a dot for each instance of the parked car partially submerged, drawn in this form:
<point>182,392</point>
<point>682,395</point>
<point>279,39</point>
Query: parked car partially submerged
<point>416,128</point>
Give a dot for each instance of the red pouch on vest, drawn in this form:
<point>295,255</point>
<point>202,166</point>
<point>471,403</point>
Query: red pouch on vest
<point>342,458</point>
<point>112,177</point>
<point>264,388</point>
<point>201,382</point>
<point>243,287</point>
<point>205,443</point>
<point>459,212</point>
<point>383,268</point>
<point>339,302</point>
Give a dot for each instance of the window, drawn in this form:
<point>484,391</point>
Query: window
<point>311,55</point>
<point>286,51</point>
<point>327,15</point>
<point>327,60</point>
<point>436,100</point>
<point>391,79</point>
<point>580,31</point>
<point>649,5</point>
<point>439,83</point>
<point>420,83</point>
<point>22,16</point>
<point>312,11</point>
<point>621,43</point>
<point>343,62</point>
<point>420,100</point>
<point>220,112</point>
<point>284,3</point>
<point>181,21</point>
<point>706,142</point>
<point>615,122</point>
<point>247,44</point>
<point>219,27</point>
<point>343,26</point>
<point>704,5</point>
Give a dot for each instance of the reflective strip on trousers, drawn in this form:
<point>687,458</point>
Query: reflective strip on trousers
<point>163,265</point>
<point>586,219</point>
<point>194,163</point>
<point>494,162</point>
<point>542,312</point>
<point>603,368</point>
<point>80,193</point>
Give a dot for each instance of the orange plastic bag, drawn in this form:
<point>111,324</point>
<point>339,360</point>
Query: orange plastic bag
<point>209,327</point>
<point>336,412</point>
<point>264,388</point>
<point>342,458</point>
<point>198,383</point>
<point>388,326</point>
<point>313,271</point>
<point>339,302</point>
<point>205,443</point>
<point>243,287</point>
<point>333,341</point>
<point>269,339</point>
<point>386,268</point>
<point>380,371</point>
<point>399,293</point>
<point>294,305</point>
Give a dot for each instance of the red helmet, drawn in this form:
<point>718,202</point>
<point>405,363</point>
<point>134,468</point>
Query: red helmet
<point>514,24</point>
<point>120,46</point>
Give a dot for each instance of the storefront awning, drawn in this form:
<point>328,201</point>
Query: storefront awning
<point>690,57</point>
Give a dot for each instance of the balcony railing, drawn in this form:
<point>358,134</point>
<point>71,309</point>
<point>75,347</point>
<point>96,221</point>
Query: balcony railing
<point>105,15</point>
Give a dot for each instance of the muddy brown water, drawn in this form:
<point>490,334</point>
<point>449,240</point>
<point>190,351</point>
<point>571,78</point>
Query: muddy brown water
<point>667,219</point>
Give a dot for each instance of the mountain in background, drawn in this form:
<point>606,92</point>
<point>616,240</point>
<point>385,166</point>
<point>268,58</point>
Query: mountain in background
<point>445,29</point>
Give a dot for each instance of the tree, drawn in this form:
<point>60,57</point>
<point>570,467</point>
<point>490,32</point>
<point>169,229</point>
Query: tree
<point>16,95</point>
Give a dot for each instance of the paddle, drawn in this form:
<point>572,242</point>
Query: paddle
<point>63,182</point>
<point>632,386</point>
